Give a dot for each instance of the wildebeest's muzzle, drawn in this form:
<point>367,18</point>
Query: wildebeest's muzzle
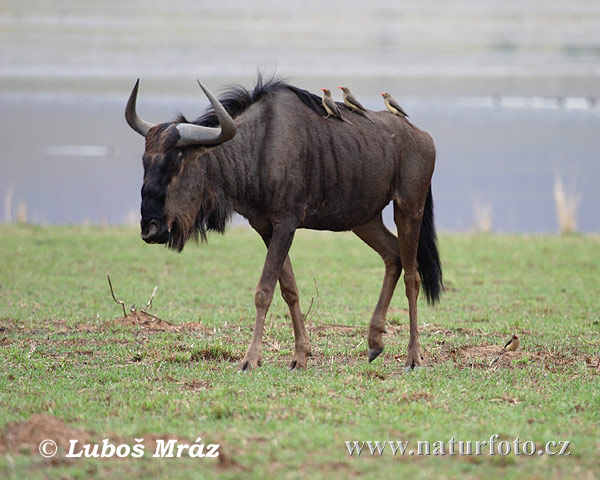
<point>155,231</point>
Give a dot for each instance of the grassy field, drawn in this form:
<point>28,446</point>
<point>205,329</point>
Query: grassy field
<point>72,368</point>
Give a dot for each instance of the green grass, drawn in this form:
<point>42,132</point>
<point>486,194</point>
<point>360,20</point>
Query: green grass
<point>63,354</point>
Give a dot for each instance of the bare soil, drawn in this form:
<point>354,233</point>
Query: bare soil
<point>150,322</point>
<point>483,352</point>
<point>25,437</point>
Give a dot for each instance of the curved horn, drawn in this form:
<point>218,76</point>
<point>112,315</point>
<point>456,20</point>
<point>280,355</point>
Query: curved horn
<point>191,134</point>
<point>140,126</point>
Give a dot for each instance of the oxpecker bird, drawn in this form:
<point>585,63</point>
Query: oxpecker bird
<point>330,107</point>
<point>352,103</point>
<point>393,106</point>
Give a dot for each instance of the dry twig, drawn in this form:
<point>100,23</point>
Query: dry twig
<point>120,302</point>
<point>312,301</point>
<point>149,304</point>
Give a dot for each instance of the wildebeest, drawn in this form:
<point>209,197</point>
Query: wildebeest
<point>271,156</point>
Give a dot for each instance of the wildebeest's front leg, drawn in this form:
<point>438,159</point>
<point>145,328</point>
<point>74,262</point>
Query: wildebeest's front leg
<point>278,248</point>
<point>408,221</point>
<point>380,239</point>
<point>289,292</point>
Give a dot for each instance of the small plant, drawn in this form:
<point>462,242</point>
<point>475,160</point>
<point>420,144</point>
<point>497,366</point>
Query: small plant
<point>483,216</point>
<point>8,197</point>
<point>525,360</point>
<point>22,213</point>
<point>567,204</point>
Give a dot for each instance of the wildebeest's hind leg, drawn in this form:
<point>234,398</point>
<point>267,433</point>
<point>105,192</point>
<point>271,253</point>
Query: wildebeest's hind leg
<point>379,238</point>
<point>408,217</point>
<point>279,245</point>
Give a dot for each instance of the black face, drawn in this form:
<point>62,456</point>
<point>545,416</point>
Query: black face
<point>159,170</point>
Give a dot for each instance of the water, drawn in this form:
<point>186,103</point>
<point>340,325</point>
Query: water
<point>509,93</point>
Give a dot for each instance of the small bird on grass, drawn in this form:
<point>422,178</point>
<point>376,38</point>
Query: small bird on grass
<point>512,345</point>
<point>331,108</point>
<point>352,103</point>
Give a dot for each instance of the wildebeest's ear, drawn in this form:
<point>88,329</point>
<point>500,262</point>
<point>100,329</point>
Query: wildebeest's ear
<point>198,152</point>
<point>199,135</point>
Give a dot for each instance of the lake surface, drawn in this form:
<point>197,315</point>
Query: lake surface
<point>509,93</point>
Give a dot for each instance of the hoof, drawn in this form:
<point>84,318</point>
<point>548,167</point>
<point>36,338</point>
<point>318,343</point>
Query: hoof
<point>374,353</point>
<point>414,360</point>
<point>244,367</point>
<point>413,367</point>
<point>299,362</point>
<point>248,365</point>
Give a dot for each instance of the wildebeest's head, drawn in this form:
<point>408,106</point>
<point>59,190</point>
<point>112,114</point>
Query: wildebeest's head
<point>166,216</point>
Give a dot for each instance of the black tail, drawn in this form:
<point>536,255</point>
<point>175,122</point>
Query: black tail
<point>430,267</point>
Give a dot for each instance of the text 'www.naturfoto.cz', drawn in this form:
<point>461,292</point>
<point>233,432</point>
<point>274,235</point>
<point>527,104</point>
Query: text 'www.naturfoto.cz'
<point>458,447</point>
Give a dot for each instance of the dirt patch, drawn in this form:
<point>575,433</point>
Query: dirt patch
<point>149,322</point>
<point>226,461</point>
<point>506,399</point>
<point>415,397</point>
<point>481,356</point>
<point>136,318</point>
<point>374,374</point>
<point>26,436</point>
<point>393,328</point>
<point>492,356</point>
<point>142,319</point>
<point>213,353</point>
<point>195,385</point>
<point>345,329</point>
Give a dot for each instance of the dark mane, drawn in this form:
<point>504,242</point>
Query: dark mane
<point>309,99</point>
<point>238,99</point>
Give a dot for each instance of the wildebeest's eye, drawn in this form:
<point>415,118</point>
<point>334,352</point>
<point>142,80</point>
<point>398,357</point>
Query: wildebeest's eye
<point>179,161</point>
<point>173,166</point>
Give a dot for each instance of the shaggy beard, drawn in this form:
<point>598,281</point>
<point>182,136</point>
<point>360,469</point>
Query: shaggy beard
<point>186,227</point>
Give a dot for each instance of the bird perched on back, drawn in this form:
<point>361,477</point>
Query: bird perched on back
<point>512,344</point>
<point>352,103</point>
<point>393,106</point>
<point>330,107</point>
